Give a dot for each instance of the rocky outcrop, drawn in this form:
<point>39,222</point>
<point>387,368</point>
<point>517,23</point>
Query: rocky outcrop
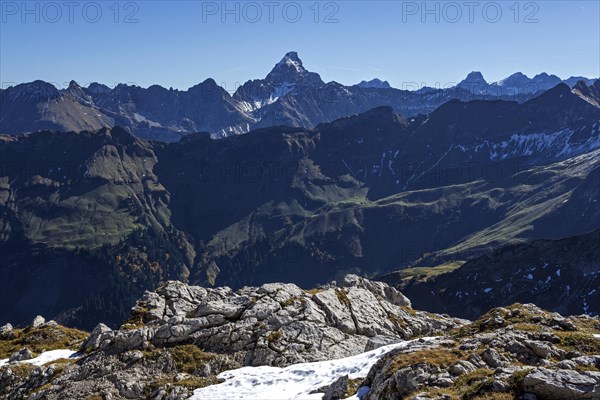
<point>6,329</point>
<point>180,337</point>
<point>521,351</point>
<point>38,321</point>
<point>275,324</point>
<point>21,355</point>
<point>338,389</point>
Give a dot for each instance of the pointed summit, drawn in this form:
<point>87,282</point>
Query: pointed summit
<point>474,77</point>
<point>291,60</point>
<point>290,70</point>
<point>74,85</point>
<point>77,92</point>
<point>474,82</point>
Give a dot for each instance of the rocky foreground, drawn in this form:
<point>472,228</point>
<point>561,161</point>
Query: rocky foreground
<point>181,337</point>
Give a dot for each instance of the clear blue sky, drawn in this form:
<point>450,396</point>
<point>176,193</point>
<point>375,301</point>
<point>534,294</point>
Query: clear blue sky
<point>180,43</point>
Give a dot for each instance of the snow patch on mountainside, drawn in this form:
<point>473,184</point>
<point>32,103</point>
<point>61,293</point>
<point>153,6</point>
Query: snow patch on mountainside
<point>46,357</point>
<point>291,60</point>
<point>295,382</point>
<point>277,91</point>
<point>556,145</point>
<point>281,90</point>
<point>232,130</point>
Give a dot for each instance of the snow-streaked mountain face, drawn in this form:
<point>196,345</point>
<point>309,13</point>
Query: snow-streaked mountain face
<point>289,95</point>
<point>288,77</point>
<point>463,137</point>
<point>550,145</point>
<point>291,70</point>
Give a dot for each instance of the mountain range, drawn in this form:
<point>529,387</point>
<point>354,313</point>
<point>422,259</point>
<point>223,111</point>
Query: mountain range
<point>91,219</point>
<point>289,95</point>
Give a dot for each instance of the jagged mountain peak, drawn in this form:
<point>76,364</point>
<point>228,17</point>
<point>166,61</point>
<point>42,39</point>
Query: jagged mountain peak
<point>474,76</point>
<point>291,58</point>
<point>374,83</point>
<point>291,70</point>
<point>473,80</point>
<point>74,85</point>
<point>75,89</point>
<point>590,93</point>
<point>289,65</point>
<point>210,81</point>
<point>97,88</point>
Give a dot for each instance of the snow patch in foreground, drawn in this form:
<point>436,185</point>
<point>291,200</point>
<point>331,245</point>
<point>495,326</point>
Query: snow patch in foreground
<point>597,336</point>
<point>46,357</point>
<point>294,382</point>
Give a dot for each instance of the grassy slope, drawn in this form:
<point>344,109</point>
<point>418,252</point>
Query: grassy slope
<point>477,215</point>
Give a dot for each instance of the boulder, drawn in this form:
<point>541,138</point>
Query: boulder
<point>38,321</point>
<point>379,289</point>
<point>338,389</point>
<point>6,329</point>
<point>492,358</point>
<point>21,355</point>
<point>100,338</point>
<point>562,384</point>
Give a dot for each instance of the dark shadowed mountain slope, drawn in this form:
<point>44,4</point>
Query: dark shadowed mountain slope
<point>84,226</point>
<point>562,275</point>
